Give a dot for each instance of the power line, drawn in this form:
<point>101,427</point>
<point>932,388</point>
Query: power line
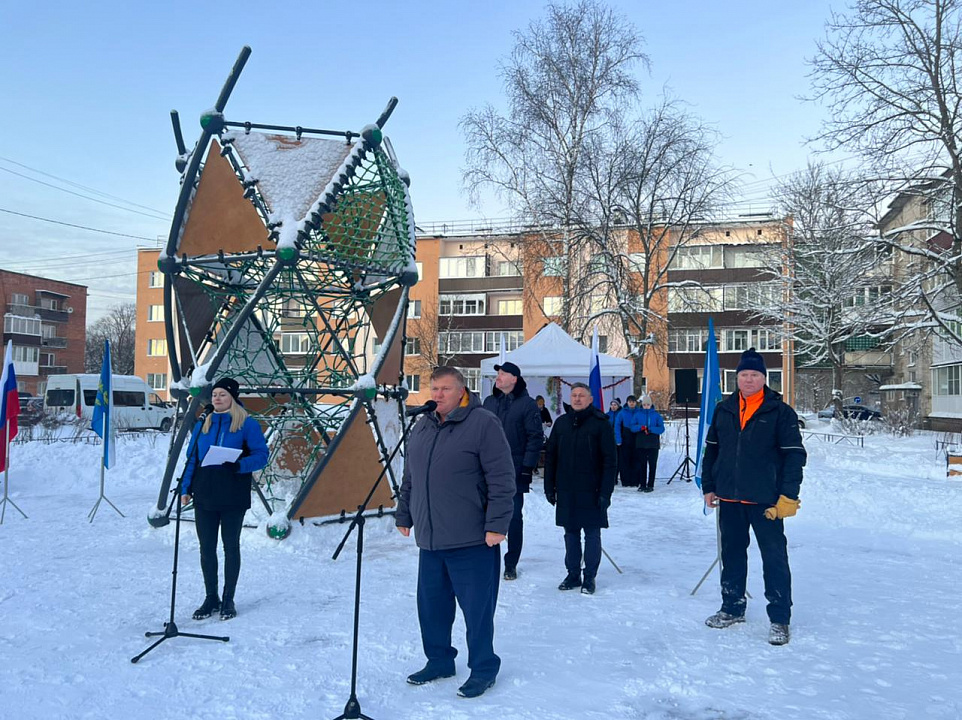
<point>85,197</point>
<point>82,187</point>
<point>79,227</point>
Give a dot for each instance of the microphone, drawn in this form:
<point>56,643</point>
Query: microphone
<point>208,409</point>
<point>429,406</point>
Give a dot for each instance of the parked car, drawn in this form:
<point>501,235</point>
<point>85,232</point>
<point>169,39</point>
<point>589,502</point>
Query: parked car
<point>852,412</point>
<point>806,418</point>
<point>136,406</point>
<point>31,410</point>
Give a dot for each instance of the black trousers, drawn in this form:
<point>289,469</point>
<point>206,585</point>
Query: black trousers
<point>629,461</point>
<point>471,576</point>
<point>734,520</point>
<point>515,533</point>
<point>592,553</point>
<point>230,523</point>
<point>647,460</point>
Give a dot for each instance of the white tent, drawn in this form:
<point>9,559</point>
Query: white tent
<point>552,360</point>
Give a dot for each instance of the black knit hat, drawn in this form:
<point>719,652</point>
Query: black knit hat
<point>751,360</point>
<point>230,385</point>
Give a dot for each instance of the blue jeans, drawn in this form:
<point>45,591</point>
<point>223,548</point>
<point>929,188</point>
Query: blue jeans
<point>734,520</point>
<point>471,576</point>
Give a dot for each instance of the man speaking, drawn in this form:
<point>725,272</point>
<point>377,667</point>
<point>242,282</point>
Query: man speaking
<point>458,495</point>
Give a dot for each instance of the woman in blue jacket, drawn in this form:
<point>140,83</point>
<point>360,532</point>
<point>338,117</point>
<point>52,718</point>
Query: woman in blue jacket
<point>222,493</point>
<point>648,425</point>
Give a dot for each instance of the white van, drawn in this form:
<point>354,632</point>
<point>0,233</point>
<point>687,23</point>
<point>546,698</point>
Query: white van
<point>136,406</point>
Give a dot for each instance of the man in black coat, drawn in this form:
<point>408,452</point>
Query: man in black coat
<point>521,420</point>
<point>579,477</point>
<point>751,472</point>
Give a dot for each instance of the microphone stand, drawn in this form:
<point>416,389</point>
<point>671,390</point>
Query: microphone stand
<point>687,465</point>
<point>352,710</point>
<point>170,627</point>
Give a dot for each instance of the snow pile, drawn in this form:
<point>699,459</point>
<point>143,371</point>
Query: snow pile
<point>874,554</point>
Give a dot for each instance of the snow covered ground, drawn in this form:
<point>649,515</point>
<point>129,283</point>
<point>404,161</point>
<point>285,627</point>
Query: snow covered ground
<point>875,557</point>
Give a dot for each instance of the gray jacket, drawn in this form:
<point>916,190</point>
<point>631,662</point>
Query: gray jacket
<point>458,479</point>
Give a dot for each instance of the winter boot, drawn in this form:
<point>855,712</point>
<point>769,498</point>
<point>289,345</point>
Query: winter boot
<point>510,573</point>
<point>430,673</point>
<point>650,488</point>
<point>570,582</point>
<point>779,634</point>
<point>722,619</point>
<point>210,606</point>
<point>588,586</point>
<point>475,687</point>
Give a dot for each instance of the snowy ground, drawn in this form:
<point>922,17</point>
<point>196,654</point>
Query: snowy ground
<point>874,550</point>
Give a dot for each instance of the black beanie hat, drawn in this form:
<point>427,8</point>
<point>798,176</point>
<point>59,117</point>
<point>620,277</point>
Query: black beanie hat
<point>751,360</point>
<point>230,385</point>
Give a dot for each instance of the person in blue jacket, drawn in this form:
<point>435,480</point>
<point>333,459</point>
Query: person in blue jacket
<point>222,493</point>
<point>614,407</point>
<point>650,425</point>
<point>629,461</point>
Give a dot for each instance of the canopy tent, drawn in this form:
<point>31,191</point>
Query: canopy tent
<point>552,360</point>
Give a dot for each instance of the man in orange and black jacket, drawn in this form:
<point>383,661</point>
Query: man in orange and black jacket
<point>752,471</point>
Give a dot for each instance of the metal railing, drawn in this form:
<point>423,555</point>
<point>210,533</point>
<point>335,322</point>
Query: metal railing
<point>835,438</point>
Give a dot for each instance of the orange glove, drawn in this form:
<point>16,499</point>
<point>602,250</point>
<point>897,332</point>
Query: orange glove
<point>785,507</point>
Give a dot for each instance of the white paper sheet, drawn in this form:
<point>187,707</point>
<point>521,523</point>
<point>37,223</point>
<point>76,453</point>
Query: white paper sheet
<point>218,455</point>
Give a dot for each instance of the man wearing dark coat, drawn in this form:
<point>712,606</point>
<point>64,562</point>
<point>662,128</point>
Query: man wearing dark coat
<point>751,472</point>
<point>521,420</point>
<point>457,494</point>
<point>579,477</point>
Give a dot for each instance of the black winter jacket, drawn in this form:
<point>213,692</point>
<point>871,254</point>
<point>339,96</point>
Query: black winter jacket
<point>759,463</point>
<point>458,479</point>
<point>521,420</point>
<point>580,466</point>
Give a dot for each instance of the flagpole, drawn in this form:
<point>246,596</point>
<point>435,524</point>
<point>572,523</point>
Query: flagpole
<point>6,476</point>
<point>105,402</point>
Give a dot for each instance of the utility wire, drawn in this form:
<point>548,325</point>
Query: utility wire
<point>78,185</point>
<point>80,227</point>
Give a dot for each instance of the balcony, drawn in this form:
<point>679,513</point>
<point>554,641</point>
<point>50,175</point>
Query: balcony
<point>53,369</point>
<point>54,342</point>
<point>868,359</point>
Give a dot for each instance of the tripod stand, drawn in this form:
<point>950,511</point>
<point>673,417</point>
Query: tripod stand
<point>684,471</point>
<point>352,710</point>
<point>170,627</point>
<point>6,471</point>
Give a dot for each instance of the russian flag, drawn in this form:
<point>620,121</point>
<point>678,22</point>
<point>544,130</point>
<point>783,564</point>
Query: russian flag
<point>9,404</point>
<point>594,373</point>
<point>711,395</point>
<point>102,422</point>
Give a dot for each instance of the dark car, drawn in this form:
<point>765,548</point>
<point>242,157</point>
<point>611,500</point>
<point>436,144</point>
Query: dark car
<point>31,410</point>
<point>852,412</point>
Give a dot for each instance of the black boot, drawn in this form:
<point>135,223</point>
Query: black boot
<point>570,582</point>
<point>227,609</point>
<point>210,606</point>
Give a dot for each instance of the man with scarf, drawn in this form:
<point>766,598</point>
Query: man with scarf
<point>752,471</point>
<point>521,420</point>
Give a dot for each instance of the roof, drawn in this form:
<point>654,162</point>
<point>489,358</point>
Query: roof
<point>554,353</point>
<point>903,386</point>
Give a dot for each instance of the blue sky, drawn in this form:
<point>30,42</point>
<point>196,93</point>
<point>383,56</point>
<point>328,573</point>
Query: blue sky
<point>86,90</point>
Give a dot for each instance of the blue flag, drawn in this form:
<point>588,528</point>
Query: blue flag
<point>594,373</point>
<point>102,422</point>
<point>711,395</point>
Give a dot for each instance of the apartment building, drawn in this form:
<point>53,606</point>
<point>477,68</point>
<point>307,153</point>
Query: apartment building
<point>46,320</point>
<point>150,359</point>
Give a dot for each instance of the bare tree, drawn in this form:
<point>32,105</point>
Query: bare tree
<point>117,326</point>
<point>830,270</point>
<point>889,72</point>
<point>565,83</point>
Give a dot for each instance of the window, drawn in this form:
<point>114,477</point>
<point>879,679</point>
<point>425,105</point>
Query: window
<point>156,400</point>
<point>734,341</point>
<point>510,307</point>
<point>744,257</point>
<point>462,267</point>
<point>740,339</point>
<point>129,398</point>
<point>47,360</point>
<point>687,340</point>
<point>60,398</point>
<point>156,279</point>
<point>295,343</point>
<point>507,268</point>
<point>90,397</point>
<point>698,257</point>
<point>472,376</point>
<point>292,309</point>
<point>467,342</point>
<point>598,264</point>
<point>752,297</point>
<point>775,380</point>
<point>24,354</point>
<point>412,346</point>
<point>19,299</point>
<point>413,382</point>
<point>637,262</point>
<point>729,382</point>
<point>157,381</point>
<point>420,267</point>
<point>48,331</point>
<point>694,299</point>
<point>868,296</point>
<point>554,266</point>
<point>596,303</point>
<point>948,380</point>
<point>49,303</point>
<point>913,358</point>
<point>156,348</point>
<point>20,325</point>
<point>377,345</point>
<point>461,304</point>
<point>155,313</point>
<point>552,305</point>
<point>602,343</point>
<point>414,309</point>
